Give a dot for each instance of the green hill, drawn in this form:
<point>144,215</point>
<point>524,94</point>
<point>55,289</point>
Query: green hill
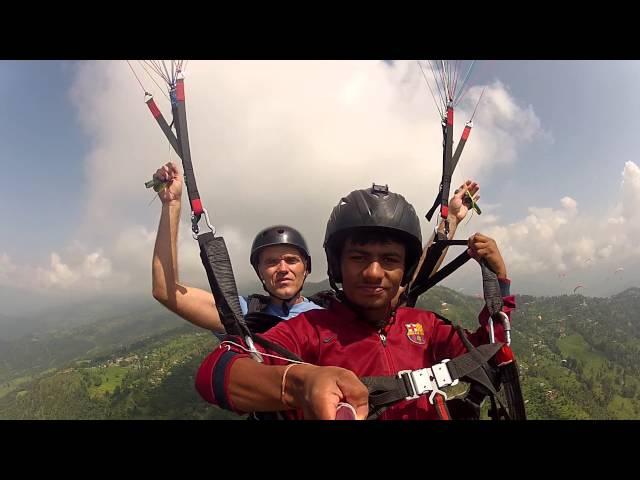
<point>578,358</point>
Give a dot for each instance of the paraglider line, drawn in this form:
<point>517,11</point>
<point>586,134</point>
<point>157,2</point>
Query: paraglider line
<point>430,90</point>
<point>456,76</point>
<point>134,74</point>
<point>464,83</point>
<point>444,81</point>
<point>437,87</point>
<point>153,67</point>
<point>154,81</point>
<point>478,103</point>
<point>157,69</point>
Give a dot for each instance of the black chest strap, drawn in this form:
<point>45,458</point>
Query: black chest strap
<point>410,384</point>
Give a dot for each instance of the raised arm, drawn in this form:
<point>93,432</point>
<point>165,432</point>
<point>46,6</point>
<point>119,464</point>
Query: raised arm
<point>193,304</point>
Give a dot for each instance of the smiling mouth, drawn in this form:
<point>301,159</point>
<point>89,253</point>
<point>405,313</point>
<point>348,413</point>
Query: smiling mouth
<point>371,290</point>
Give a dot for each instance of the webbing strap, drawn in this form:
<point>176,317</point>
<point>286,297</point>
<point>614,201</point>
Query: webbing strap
<point>449,163</point>
<point>512,391</point>
<point>164,126</point>
<point>431,259</point>
<point>180,119</point>
<point>491,290</point>
<point>215,258</point>
<point>440,403</point>
<point>504,377</point>
<point>385,390</point>
<point>259,339</point>
<point>260,322</point>
<point>423,284</point>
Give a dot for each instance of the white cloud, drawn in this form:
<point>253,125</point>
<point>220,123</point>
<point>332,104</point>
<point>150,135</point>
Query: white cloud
<point>7,268</point>
<point>631,192</point>
<point>277,142</point>
<point>84,273</point>
<point>280,142</point>
<point>605,252</point>
<point>96,266</point>
<point>550,241</point>
<point>272,142</point>
<point>58,274</point>
<point>569,203</point>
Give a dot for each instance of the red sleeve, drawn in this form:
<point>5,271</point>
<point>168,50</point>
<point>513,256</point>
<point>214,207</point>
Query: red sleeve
<point>214,372</point>
<point>213,375</point>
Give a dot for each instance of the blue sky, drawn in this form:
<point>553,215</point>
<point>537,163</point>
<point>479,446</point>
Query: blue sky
<point>43,158</point>
<point>590,108</point>
<point>79,143</point>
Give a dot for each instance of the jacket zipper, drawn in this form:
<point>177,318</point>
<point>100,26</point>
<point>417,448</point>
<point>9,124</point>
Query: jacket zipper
<point>390,364</point>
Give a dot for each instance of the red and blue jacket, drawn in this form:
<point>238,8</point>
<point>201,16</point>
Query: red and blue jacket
<point>412,339</point>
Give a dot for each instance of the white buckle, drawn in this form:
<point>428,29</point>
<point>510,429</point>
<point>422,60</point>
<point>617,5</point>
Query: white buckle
<point>418,380</point>
<point>441,374</point>
<point>428,380</point>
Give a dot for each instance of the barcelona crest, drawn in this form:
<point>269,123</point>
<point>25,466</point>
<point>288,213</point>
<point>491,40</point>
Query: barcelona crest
<point>415,333</point>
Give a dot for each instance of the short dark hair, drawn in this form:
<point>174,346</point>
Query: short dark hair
<point>366,236</point>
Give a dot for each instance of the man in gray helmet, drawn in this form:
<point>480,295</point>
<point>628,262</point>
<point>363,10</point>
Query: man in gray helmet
<point>279,255</point>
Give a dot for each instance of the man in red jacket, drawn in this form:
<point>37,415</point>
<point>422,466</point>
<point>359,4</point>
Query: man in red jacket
<point>373,244</point>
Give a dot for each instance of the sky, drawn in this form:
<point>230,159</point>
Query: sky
<point>554,149</point>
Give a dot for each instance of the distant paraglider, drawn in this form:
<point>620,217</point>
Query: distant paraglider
<point>618,270</point>
<point>577,287</point>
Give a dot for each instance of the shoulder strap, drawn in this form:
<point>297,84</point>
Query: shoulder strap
<point>257,303</point>
<point>323,298</point>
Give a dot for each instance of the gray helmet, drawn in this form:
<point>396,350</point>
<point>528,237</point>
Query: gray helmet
<point>373,208</point>
<point>278,235</point>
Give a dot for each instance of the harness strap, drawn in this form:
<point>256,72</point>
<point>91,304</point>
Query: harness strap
<point>180,119</point>
<point>491,290</point>
<point>260,340</point>
<point>513,391</point>
<point>216,262</point>
<point>164,126</point>
<point>423,284</point>
<point>257,303</point>
<point>504,378</point>
<point>441,407</point>
<point>409,385</point>
<point>260,322</point>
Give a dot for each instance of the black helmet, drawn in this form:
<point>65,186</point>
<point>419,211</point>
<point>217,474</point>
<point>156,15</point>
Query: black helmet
<point>278,235</point>
<point>373,208</point>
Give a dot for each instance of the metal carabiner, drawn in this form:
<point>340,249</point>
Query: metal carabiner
<point>195,230</point>
<point>506,325</point>
<point>208,222</point>
<point>253,351</point>
<point>492,334</point>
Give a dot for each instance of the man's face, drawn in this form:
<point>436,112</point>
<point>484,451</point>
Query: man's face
<point>372,273</point>
<point>283,269</point>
